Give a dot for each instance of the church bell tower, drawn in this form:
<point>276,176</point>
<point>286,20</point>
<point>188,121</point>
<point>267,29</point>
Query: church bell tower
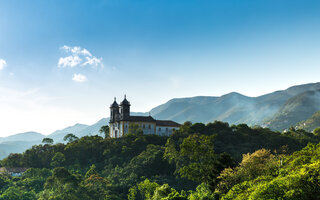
<point>114,111</point>
<point>125,109</point>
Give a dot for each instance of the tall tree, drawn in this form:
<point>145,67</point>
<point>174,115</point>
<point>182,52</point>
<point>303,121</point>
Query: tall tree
<point>47,141</point>
<point>70,137</point>
<point>105,130</point>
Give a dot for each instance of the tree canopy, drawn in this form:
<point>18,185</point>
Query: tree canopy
<point>198,161</point>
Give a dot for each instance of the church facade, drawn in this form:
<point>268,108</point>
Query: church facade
<point>120,120</point>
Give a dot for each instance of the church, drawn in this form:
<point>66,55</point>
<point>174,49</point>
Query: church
<point>120,120</point>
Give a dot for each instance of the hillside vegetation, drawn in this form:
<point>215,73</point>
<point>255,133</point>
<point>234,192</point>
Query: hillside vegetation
<point>212,161</point>
<point>311,123</point>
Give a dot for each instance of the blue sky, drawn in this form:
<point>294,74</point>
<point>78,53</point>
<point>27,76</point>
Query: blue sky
<point>62,62</point>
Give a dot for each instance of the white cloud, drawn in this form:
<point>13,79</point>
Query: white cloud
<point>93,61</point>
<point>69,61</point>
<point>3,63</point>
<point>79,78</point>
<point>85,52</point>
<point>78,56</point>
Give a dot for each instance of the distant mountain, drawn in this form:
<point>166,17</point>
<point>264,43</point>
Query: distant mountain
<point>27,136</point>
<point>296,109</point>
<point>93,129</point>
<point>58,135</point>
<point>236,108</point>
<point>18,143</point>
<point>15,147</point>
<point>311,123</point>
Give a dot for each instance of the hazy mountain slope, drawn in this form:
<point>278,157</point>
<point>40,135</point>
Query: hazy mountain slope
<point>201,109</point>
<point>233,108</point>
<point>18,143</point>
<point>311,123</point>
<point>27,136</point>
<point>58,135</point>
<point>296,109</point>
<point>15,147</point>
<point>94,128</point>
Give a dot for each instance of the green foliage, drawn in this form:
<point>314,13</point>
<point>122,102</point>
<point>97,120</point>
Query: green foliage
<point>58,160</point>
<point>105,130</point>
<point>148,190</point>
<point>4,183</point>
<point>311,123</point>
<point>15,193</point>
<point>63,185</point>
<point>141,166</point>
<point>96,186</point>
<point>202,193</point>
<point>196,159</point>
<point>91,171</point>
<point>298,178</point>
<point>316,131</point>
<point>70,137</point>
<point>259,163</point>
<point>47,141</point>
<point>34,179</point>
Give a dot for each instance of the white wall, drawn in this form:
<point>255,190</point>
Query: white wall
<point>165,130</point>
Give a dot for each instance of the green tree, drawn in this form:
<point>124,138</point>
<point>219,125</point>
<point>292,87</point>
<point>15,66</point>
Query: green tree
<point>91,171</point>
<point>316,131</point>
<point>70,137</point>
<point>202,193</point>
<point>47,141</point>
<point>105,130</point>
<point>16,193</point>
<point>64,185</point>
<point>34,178</point>
<point>58,160</point>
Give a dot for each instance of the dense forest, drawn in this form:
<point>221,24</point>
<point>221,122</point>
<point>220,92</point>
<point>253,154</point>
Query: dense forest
<point>197,162</point>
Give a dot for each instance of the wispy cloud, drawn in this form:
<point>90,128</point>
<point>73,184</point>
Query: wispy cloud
<point>3,63</point>
<point>78,56</point>
<point>79,78</point>
<point>69,61</point>
<point>93,61</point>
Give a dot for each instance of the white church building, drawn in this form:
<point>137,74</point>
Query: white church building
<point>120,120</point>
